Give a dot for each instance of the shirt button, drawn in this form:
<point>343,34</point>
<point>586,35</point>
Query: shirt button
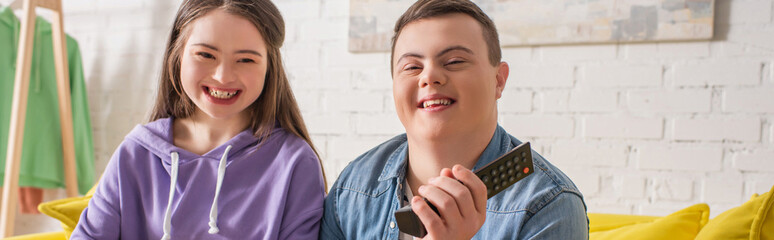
<point>392,225</point>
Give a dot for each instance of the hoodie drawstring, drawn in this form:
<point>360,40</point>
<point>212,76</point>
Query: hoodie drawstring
<point>213,223</point>
<point>172,184</point>
<point>214,210</point>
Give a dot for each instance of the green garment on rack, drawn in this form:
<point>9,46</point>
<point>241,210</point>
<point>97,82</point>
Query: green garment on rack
<point>41,160</point>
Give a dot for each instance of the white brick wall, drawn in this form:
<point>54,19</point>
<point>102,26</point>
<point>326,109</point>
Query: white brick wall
<point>681,158</point>
<point>625,76</point>
<point>677,101</point>
<point>585,154</point>
<point>645,128</point>
<point>746,129</point>
<point>757,161</point>
<point>729,72</point>
<point>673,189</point>
<point>756,100</point>
<point>623,127</point>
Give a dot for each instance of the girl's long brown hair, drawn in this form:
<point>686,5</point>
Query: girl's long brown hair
<point>275,105</point>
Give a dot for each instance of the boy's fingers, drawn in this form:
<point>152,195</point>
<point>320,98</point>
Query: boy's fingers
<point>432,221</point>
<point>445,203</point>
<point>459,192</point>
<point>476,186</point>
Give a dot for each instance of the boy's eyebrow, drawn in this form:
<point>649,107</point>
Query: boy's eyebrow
<point>405,55</point>
<point>449,49</point>
<point>240,51</point>
<point>452,48</point>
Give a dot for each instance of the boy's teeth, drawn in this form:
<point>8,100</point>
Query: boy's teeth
<point>444,102</point>
<point>222,94</point>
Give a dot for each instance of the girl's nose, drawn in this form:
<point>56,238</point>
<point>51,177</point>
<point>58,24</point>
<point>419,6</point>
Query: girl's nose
<point>224,73</point>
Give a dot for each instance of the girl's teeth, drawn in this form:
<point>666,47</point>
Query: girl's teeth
<point>222,94</point>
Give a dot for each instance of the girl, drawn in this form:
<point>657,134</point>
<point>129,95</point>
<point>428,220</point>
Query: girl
<point>226,154</point>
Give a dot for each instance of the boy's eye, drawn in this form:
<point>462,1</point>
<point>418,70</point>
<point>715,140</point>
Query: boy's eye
<point>456,61</point>
<point>205,55</point>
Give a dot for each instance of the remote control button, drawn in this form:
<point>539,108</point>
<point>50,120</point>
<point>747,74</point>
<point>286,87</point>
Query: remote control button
<point>497,187</point>
<point>501,168</point>
<point>509,163</point>
<point>505,184</point>
<point>510,171</point>
<point>523,154</point>
<point>496,180</point>
<point>502,176</point>
<point>526,170</point>
<point>518,174</point>
<point>524,160</point>
<point>494,172</point>
<point>485,179</point>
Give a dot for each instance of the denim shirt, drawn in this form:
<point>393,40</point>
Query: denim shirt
<point>362,202</point>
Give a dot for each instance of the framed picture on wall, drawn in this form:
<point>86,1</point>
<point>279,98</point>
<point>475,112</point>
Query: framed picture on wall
<point>551,22</point>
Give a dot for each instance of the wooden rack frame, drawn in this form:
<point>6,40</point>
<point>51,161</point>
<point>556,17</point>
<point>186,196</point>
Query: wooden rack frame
<point>18,110</point>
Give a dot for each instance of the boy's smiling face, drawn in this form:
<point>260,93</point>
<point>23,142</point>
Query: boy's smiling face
<point>443,81</point>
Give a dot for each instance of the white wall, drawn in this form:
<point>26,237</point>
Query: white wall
<point>641,128</point>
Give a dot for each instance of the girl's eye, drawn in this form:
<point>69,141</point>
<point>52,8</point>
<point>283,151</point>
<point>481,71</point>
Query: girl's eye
<point>410,67</point>
<point>246,60</point>
<point>205,55</point>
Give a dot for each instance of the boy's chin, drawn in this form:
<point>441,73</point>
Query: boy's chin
<point>435,133</point>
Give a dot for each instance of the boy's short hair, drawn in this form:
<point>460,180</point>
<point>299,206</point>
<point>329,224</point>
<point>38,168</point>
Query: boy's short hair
<point>423,9</point>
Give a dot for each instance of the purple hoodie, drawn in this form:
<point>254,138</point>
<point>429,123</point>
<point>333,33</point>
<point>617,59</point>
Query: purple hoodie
<point>272,192</point>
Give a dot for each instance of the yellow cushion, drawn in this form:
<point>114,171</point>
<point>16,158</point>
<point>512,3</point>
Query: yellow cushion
<point>603,222</point>
<point>39,236</point>
<point>683,224</point>
<point>752,220</point>
<point>67,210</point>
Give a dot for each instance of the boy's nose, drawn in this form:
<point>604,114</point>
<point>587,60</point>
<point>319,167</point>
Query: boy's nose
<point>431,75</point>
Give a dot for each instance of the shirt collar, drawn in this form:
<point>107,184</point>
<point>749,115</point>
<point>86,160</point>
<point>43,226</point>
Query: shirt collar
<point>498,145</point>
<point>396,163</point>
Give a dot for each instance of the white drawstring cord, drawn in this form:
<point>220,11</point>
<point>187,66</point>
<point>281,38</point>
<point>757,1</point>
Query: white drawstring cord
<point>168,215</point>
<point>214,210</point>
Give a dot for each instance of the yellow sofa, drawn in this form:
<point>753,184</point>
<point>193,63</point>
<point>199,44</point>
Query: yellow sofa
<point>753,220</point>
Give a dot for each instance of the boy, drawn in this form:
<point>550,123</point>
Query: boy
<point>447,77</point>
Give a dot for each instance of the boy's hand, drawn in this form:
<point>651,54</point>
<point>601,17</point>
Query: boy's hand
<point>461,204</point>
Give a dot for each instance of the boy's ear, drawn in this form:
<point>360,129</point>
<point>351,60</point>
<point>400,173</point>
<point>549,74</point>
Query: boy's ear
<point>502,77</point>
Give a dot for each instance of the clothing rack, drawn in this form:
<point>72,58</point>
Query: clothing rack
<point>18,109</point>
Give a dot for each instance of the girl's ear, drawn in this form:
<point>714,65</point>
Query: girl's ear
<point>502,77</point>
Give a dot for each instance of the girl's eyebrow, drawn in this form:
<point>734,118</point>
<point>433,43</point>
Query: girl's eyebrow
<point>239,51</point>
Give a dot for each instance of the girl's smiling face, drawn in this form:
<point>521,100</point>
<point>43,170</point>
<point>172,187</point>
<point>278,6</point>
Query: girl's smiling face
<point>223,65</point>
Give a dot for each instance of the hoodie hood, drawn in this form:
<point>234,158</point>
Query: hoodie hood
<point>157,138</point>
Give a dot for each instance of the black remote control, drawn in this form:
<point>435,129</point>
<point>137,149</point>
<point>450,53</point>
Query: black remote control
<point>497,176</point>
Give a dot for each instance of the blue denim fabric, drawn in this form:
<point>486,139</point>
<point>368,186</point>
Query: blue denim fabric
<point>362,201</point>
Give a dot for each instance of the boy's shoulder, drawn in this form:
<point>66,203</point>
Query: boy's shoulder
<point>363,173</point>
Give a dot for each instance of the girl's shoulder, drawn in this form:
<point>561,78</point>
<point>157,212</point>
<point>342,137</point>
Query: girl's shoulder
<point>285,140</point>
